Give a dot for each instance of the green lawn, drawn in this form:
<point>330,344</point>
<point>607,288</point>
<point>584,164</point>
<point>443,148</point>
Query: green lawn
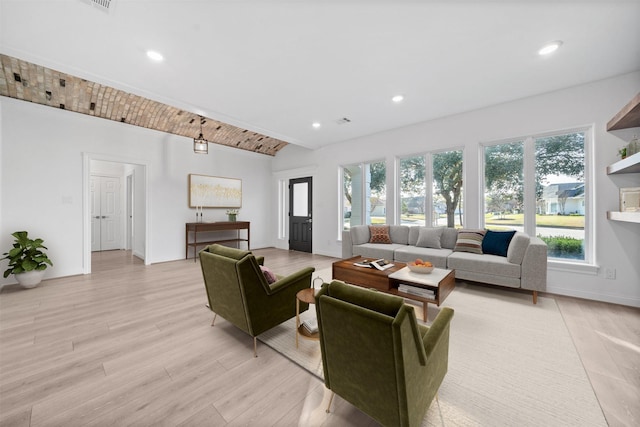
<point>509,220</point>
<point>573,221</point>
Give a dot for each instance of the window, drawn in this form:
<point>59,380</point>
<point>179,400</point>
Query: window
<point>504,186</point>
<point>551,202</point>
<point>560,216</point>
<point>447,188</point>
<point>443,207</point>
<point>412,190</point>
<point>364,194</point>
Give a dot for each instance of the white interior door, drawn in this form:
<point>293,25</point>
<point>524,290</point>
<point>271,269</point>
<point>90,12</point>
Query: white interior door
<point>95,214</point>
<point>129,209</point>
<point>105,213</point>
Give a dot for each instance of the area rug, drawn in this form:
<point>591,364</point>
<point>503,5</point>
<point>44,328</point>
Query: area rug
<point>510,363</point>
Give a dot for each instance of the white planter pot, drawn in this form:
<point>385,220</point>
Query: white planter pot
<point>30,279</point>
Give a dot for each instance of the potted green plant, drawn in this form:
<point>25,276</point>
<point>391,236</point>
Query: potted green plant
<point>623,152</point>
<point>232,214</point>
<point>27,261</point>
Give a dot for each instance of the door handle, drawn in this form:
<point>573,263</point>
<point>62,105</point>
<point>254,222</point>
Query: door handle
<point>103,216</point>
<point>97,217</point>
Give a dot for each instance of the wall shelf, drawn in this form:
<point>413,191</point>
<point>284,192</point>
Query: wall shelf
<point>628,117</point>
<point>624,216</point>
<point>629,165</point>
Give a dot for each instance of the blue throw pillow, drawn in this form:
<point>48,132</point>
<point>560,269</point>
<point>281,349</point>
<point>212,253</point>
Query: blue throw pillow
<point>497,242</point>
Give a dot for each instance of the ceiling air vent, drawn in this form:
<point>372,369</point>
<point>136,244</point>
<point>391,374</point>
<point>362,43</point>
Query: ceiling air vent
<point>99,4</point>
<point>343,120</point>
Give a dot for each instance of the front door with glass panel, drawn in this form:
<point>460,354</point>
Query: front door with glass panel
<point>300,218</point>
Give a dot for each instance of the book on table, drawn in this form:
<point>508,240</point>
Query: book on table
<point>414,290</point>
<point>380,264</point>
<point>311,325</point>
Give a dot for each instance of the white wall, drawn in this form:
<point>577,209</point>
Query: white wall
<point>41,181</point>
<point>617,244</point>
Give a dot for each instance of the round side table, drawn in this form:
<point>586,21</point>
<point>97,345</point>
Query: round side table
<point>308,296</point>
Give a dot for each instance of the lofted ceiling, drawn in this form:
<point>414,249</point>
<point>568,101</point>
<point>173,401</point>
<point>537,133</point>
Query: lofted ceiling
<point>271,68</point>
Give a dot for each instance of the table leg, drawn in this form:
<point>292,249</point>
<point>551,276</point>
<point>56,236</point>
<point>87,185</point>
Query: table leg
<point>424,311</point>
<point>297,319</point>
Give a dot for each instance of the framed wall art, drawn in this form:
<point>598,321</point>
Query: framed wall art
<point>214,192</point>
<point>630,199</point>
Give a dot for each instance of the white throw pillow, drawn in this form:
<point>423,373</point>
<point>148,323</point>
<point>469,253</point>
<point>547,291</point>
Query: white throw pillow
<point>429,237</point>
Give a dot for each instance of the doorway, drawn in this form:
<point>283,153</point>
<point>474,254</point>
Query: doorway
<point>131,232</point>
<point>300,214</point>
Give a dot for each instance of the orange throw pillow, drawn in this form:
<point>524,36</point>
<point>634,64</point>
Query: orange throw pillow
<point>379,234</point>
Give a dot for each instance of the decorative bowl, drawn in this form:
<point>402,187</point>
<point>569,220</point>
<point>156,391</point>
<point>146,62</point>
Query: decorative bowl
<point>417,268</point>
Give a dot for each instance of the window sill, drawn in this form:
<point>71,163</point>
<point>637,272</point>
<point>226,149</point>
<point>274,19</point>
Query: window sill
<point>573,267</point>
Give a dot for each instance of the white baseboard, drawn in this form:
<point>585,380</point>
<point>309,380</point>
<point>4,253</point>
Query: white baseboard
<point>614,299</point>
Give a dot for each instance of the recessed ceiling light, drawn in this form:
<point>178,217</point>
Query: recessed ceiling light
<point>316,125</point>
<point>397,98</point>
<point>550,47</point>
<point>156,56</point>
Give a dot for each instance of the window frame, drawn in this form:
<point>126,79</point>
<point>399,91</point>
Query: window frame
<point>529,203</point>
<point>428,181</point>
<point>363,191</point>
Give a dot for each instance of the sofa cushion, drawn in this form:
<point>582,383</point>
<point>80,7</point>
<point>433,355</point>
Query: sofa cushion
<point>379,234</point>
<point>430,237</point>
<point>438,257</point>
<point>517,248</point>
<point>497,242</point>
<point>449,238</point>
<point>486,264</point>
<point>414,231</point>
<point>399,234</point>
<point>469,241</point>
<point>359,234</point>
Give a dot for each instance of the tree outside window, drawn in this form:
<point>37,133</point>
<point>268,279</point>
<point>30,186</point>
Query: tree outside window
<point>504,184</point>
<point>447,187</point>
<point>441,207</point>
<point>556,206</point>
<point>412,190</point>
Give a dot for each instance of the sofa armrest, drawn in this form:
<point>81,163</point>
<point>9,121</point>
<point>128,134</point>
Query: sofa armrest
<point>294,279</point>
<point>347,245</point>
<point>534,266</point>
<point>438,333</point>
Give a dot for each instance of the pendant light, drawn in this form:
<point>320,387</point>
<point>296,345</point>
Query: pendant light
<point>201,145</point>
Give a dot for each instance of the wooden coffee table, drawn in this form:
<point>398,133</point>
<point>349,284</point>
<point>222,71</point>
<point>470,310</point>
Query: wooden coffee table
<point>440,281</point>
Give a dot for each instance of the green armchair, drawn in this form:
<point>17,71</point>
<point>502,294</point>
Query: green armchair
<point>376,356</point>
<point>238,291</point>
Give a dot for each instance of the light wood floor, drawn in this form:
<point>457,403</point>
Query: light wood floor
<point>131,345</point>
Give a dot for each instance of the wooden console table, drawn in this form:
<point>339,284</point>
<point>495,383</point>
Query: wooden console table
<point>206,227</point>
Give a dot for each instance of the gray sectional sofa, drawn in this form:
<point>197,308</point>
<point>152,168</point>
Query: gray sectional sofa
<point>524,266</point>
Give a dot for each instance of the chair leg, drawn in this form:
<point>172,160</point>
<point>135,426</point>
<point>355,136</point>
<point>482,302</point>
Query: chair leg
<point>214,319</point>
<point>329,405</point>
<point>439,410</point>
<point>255,346</point>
